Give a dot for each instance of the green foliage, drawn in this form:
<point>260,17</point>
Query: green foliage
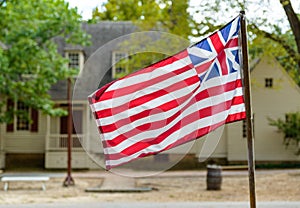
<point>290,127</point>
<point>264,45</point>
<point>31,64</point>
<point>134,10</point>
<point>164,15</point>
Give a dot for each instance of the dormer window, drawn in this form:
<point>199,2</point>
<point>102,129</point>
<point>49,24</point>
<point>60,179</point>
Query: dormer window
<point>76,59</point>
<point>269,82</point>
<point>119,65</point>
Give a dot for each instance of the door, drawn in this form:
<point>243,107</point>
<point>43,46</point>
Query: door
<point>76,129</point>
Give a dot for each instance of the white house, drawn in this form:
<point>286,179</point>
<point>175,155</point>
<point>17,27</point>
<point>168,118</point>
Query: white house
<point>44,142</point>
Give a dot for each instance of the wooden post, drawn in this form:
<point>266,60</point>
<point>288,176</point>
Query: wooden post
<point>69,180</point>
<point>249,118</point>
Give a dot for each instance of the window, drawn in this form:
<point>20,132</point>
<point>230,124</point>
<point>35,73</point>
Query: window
<point>26,120</point>
<point>244,129</point>
<point>269,82</point>
<point>119,64</point>
<point>22,120</point>
<point>76,59</point>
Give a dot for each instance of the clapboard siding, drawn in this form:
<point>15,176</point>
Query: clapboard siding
<point>25,143</point>
<point>59,160</point>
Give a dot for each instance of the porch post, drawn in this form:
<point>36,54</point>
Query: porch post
<point>47,133</point>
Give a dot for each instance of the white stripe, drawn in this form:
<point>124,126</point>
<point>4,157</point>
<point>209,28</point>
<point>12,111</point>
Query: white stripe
<point>237,109</point>
<point>234,26</point>
<point>222,39</point>
<point>211,45</point>
<point>142,77</point>
<point>231,57</point>
<point>196,51</point>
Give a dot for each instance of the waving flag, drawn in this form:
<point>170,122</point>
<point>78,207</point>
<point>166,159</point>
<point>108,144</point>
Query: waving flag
<point>173,101</point>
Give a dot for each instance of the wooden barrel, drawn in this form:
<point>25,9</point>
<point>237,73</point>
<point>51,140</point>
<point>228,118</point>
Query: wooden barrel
<point>214,177</point>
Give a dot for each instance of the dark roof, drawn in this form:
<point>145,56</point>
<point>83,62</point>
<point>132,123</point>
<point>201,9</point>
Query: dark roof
<point>101,35</point>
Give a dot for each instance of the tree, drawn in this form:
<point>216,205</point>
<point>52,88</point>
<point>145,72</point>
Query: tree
<point>31,63</point>
<point>169,16</point>
<point>290,127</point>
<point>287,42</point>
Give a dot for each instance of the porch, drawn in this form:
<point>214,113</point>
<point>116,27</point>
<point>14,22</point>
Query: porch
<point>57,140</point>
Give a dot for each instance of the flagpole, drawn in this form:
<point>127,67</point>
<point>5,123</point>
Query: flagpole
<point>249,118</point>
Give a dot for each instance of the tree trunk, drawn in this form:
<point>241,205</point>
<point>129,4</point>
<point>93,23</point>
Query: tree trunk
<point>294,23</point>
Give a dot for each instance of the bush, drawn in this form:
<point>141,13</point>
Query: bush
<point>290,127</point>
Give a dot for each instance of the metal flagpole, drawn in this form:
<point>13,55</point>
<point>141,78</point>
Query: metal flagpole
<point>249,118</point>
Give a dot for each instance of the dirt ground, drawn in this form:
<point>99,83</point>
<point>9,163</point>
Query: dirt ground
<point>270,186</point>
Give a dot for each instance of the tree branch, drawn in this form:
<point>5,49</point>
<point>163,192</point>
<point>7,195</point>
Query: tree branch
<point>289,49</point>
<point>293,20</point>
<point>2,2</point>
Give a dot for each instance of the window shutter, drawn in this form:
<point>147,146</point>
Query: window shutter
<point>35,120</point>
<point>10,105</point>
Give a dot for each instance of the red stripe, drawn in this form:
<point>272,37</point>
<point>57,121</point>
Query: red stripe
<point>217,43</point>
<point>234,42</point>
<point>222,60</point>
<point>236,117</point>
<point>165,106</point>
